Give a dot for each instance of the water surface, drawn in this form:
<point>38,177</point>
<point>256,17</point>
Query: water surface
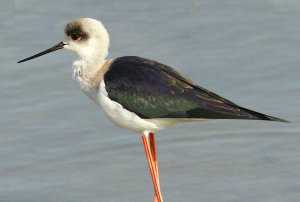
<point>56,145</point>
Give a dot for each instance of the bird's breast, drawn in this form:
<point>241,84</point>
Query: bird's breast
<point>78,78</point>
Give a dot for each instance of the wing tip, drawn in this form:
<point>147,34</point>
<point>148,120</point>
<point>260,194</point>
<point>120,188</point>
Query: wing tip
<point>271,118</point>
<point>261,116</point>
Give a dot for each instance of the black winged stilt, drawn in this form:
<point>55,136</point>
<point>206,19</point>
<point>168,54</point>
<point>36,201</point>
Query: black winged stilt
<point>140,94</point>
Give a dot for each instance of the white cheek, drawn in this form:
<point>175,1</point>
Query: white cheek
<point>70,45</point>
<point>80,48</point>
<point>86,52</point>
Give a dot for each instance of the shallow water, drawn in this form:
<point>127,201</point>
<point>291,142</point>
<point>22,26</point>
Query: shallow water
<point>56,145</point>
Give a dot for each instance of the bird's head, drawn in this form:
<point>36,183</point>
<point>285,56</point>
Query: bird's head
<point>85,36</point>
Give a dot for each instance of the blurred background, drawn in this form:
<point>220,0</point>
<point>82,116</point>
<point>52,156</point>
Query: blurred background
<point>57,145</point>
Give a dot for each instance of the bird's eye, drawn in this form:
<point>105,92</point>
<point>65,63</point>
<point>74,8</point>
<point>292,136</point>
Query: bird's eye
<point>75,37</point>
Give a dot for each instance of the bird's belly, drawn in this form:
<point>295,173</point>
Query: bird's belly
<point>126,119</point>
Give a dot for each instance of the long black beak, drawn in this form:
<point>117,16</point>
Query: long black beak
<point>54,48</point>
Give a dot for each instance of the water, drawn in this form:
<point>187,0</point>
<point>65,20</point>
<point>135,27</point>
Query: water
<point>56,145</point>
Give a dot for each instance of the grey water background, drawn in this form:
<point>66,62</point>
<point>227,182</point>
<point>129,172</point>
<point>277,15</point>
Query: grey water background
<point>56,145</point>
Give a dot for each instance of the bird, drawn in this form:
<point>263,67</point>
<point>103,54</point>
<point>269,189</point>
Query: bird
<point>140,94</point>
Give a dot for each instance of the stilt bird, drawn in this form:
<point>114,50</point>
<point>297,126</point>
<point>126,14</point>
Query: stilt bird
<point>140,94</point>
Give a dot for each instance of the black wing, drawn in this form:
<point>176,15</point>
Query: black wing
<point>154,90</point>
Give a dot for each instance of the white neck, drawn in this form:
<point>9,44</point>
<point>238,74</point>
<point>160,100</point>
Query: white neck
<point>87,68</point>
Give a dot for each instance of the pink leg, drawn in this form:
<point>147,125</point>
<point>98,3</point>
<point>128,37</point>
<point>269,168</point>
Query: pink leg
<point>153,151</point>
<point>150,150</point>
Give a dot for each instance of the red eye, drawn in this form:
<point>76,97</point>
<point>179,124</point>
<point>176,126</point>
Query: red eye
<point>75,37</point>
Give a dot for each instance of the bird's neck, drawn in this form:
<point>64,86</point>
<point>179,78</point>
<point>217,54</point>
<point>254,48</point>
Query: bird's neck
<point>91,71</point>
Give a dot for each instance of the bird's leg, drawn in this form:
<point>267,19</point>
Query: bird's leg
<point>150,150</point>
<point>154,158</point>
